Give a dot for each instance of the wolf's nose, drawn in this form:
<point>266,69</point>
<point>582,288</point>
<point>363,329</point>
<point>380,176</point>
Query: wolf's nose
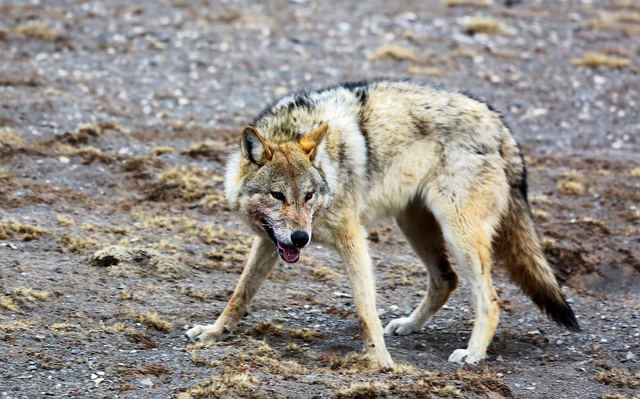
<point>300,239</point>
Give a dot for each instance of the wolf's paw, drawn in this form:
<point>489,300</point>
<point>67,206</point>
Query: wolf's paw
<point>208,333</point>
<point>402,326</point>
<point>383,362</point>
<point>461,356</point>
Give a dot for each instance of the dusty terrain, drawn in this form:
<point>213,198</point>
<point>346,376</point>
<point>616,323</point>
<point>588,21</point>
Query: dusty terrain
<point>115,118</point>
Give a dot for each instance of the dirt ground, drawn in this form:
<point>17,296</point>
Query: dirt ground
<point>115,120</point>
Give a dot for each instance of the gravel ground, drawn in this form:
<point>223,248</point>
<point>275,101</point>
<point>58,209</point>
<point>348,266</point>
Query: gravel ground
<point>115,120</point>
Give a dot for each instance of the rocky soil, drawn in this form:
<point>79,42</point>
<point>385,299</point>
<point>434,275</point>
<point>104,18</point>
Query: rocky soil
<point>116,118</point>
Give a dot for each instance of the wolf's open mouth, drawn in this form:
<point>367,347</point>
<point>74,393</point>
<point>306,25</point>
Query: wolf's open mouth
<point>288,253</point>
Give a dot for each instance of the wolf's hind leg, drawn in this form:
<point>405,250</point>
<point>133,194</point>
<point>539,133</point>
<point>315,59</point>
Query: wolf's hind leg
<point>468,221</point>
<point>422,231</point>
<point>261,261</point>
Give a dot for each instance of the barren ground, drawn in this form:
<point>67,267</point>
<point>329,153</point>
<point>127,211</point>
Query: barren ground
<point>115,118</point>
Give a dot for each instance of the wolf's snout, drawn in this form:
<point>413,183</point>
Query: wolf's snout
<point>300,238</point>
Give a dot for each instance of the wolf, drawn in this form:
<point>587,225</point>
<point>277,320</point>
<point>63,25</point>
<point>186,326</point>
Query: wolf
<point>326,163</point>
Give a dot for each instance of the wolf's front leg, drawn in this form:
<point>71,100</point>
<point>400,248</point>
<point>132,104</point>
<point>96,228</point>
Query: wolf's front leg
<point>351,243</point>
<point>261,261</point>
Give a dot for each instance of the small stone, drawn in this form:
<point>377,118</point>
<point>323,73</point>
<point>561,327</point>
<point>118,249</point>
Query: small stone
<point>93,376</point>
<point>97,381</point>
<point>499,358</point>
<point>32,367</point>
<point>146,382</point>
<point>630,356</point>
<point>64,159</point>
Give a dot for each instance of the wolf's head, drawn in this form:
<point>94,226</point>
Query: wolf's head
<point>277,189</point>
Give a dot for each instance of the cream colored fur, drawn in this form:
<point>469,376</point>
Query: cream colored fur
<point>441,163</point>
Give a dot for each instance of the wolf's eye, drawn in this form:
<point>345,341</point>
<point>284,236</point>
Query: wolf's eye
<point>308,196</point>
<point>277,195</point>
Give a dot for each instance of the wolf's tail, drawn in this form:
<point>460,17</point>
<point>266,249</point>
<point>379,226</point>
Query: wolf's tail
<point>517,245</point>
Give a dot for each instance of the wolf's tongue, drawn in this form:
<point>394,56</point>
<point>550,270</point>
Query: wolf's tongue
<point>290,254</point>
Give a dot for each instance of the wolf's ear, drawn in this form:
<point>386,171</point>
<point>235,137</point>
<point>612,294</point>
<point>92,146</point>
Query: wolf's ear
<point>311,141</point>
<point>255,148</point>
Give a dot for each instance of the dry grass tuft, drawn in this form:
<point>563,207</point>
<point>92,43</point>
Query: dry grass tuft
<point>539,213</point>
<point>188,182</point>
<point>266,327</point>
<point>125,295</point>
<point>292,347</point>
<point>626,4</point>
<point>627,22</point>
<point>11,301</point>
<point>38,30</point>
<point>487,26</point>
<point>128,262</point>
<point>570,187</point>
<point>157,151</point>
<point>635,172</point>
<point>432,71</point>
<point>76,245</point>
<point>472,3</point>
<point>6,177</point>
<point>394,52</point>
<point>402,369</point>
<point>306,335</point>
<point>15,325</point>
<point>621,378</point>
<point>227,385</point>
<point>150,319</point>
<point>211,150</point>
<point>62,326</point>
<point>29,295</point>
<point>8,303</point>
<point>371,389</point>
<point>9,137</point>
<point>91,129</point>
<point>65,220</point>
<point>214,201</point>
<point>352,363</point>
<point>8,227</point>
<point>597,60</point>
<point>324,273</point>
